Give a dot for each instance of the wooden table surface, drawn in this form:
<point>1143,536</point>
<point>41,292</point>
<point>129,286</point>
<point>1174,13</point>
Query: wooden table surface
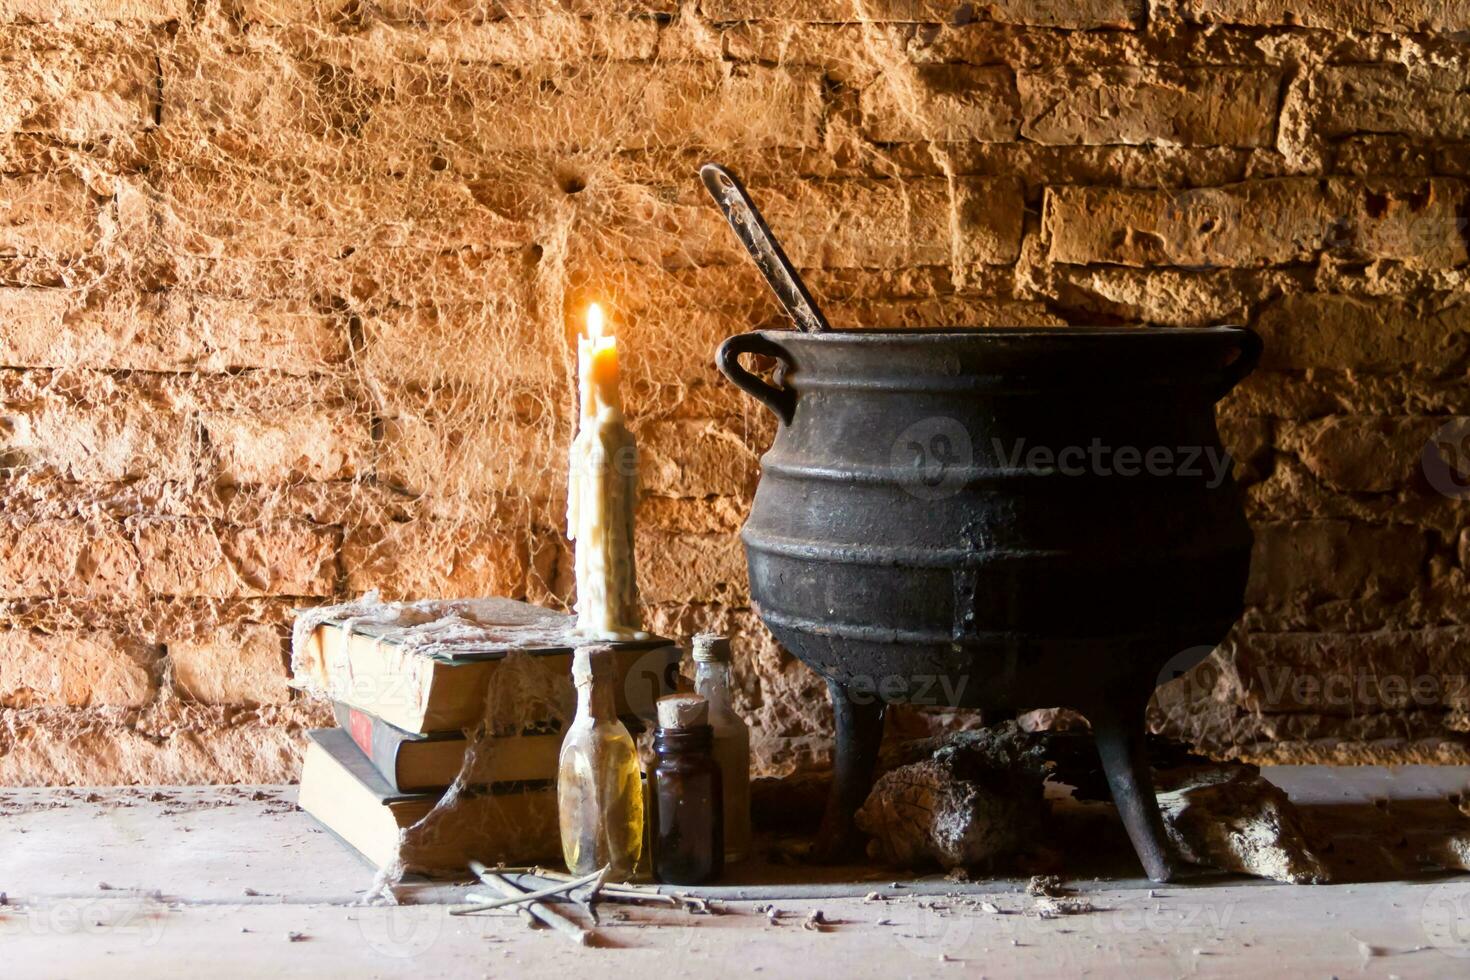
<point>234,881</point>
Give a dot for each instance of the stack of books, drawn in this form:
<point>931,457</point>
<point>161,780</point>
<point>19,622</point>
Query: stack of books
<point>447,741</point>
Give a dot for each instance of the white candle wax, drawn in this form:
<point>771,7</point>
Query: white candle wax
<point>602,489</point>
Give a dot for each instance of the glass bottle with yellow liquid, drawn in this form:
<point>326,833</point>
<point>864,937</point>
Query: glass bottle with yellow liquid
<point>599,790</point>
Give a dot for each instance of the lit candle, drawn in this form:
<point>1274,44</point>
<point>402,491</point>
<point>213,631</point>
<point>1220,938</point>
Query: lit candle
<point>602,488</point>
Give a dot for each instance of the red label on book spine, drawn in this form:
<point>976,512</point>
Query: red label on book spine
<point>361,730</point>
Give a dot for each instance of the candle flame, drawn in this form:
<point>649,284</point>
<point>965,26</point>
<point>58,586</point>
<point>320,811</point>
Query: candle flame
<point>598,332</point>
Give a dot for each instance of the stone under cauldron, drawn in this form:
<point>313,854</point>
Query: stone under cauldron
<point>997,518</point>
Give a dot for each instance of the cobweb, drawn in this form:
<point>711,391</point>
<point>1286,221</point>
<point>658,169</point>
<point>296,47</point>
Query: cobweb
<point>526,695</point>
<point>449,186</point>
<point>347,252</point>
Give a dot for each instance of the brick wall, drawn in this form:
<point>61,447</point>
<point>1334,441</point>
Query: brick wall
<point>286,286</point>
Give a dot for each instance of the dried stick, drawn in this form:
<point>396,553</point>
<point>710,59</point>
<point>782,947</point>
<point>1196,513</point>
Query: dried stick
<point>615,892</point>
<point>545,913</point>
<point>527,917</point>
<point>694,904</point>
<point>608,893</point>
<point>520,896</point>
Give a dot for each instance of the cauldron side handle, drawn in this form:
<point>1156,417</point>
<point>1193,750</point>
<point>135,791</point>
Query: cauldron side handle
<point>782,401</point>
<point>1251,347</point>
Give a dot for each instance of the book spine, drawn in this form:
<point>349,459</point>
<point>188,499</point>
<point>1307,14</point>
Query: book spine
<point>376,740</point>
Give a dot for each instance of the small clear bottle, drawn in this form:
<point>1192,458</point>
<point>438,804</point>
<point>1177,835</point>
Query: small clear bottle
<point>732,739</point>
<point>599,788</point>
<point>688,815</point>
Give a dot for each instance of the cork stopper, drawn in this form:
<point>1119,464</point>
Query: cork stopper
<point>682,711</point>
<point>592,663</point>
<point>711,648</point>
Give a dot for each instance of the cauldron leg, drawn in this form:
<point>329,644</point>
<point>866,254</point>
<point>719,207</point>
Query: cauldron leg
<point>1122,744</point>
<point>859,734</point>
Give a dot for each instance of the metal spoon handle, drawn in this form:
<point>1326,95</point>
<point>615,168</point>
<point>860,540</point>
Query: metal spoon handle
<point>748,225</point>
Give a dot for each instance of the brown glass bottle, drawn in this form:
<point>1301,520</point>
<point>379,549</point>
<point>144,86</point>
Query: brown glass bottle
<point>688,806</point>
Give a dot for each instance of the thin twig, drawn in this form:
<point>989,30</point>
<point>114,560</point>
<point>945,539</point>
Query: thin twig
<point>520,896</point>
<point>625,892</point>
<point>616,891</point>
<point>543,912</point>
<point>625,886</point>
<point>694,904</point>
<point>614,895</point>
<point>589,900</point>
<point>610,893</point>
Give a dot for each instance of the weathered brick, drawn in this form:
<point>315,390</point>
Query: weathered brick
<point>675,567</point>
<point>233,665</point>
<point>221,216</point>
<point>941,311</point>
<point>1257,223</point>
<point>121,441</point>
<point>556,36</point>
<point>1079,14</point>
<point>858,224</point>
<point>468,346</point>
<point>1042,13</point>
<point>90,427</point>
<point>165,331</point>
<point>77,94</point>
<point>172,746</point>
<point>267,105</point>
<point>457,455</point>
<point>194,557</point>
<point>293,443</point>
<point>893,224</point>
<point>695,458</point>
<point>1429,102</point>
<point>449,560</point>
<point>440,12</point>
<point>941,103</point>
<point>1327,559</point>
<point>1339,15</point>
<point>277,12</point>
<point>1316,330</point>
<point>1166,297</point>
<point>67,558</point>
<point>91,11</point>
<point>988,217</point>
<point>855,55</point>
<point>74,669</point>
<point>47,215</point>
<point>1360,454</point>
<point>692,515</point>
<point>381,277</point>
<point>706,105</point>
<point>1157,104</point>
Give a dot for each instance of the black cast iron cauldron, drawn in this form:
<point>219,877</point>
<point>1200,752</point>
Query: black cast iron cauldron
<point>997,518</point>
